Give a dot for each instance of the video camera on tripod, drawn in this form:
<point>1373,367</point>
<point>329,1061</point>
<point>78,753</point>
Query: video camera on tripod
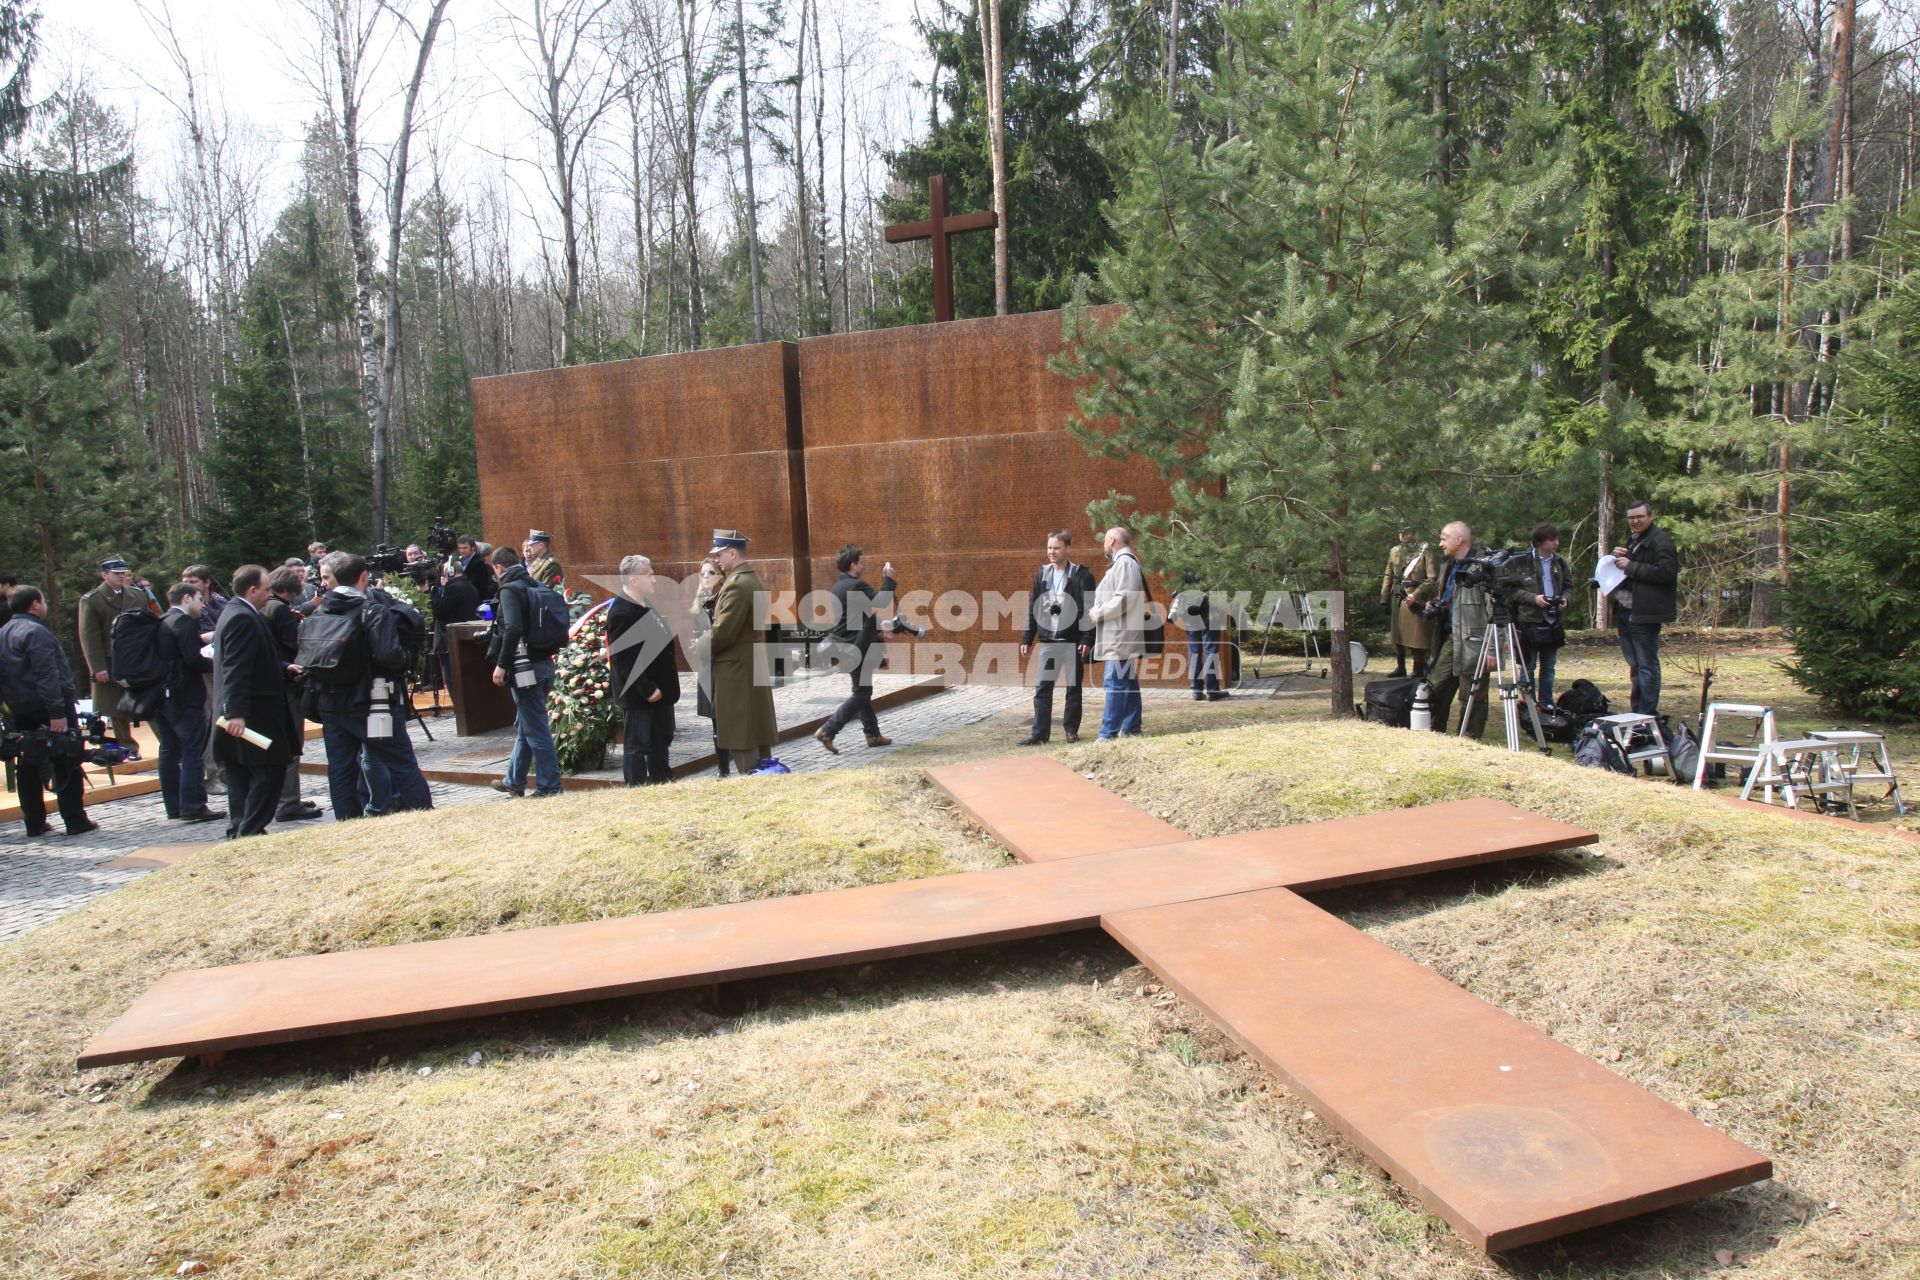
<point>1502,573</point>
<point>89,741</point>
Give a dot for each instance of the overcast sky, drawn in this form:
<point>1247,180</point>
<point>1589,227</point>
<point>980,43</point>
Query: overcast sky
<point>245,50</point>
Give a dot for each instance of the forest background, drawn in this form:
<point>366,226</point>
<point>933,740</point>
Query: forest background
<point>1498,260</point>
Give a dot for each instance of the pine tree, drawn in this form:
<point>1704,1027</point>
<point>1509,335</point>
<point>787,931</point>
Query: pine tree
<point>1854,603</point>
<point>75,470</point>
<point>1302,355</point>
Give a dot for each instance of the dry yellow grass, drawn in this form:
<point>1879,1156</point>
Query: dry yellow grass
<point>1034,1110</point>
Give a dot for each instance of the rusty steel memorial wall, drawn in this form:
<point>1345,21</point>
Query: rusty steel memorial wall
<point>940,447</point>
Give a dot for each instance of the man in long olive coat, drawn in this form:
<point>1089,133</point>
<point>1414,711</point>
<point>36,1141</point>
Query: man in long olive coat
<point>743,720</point>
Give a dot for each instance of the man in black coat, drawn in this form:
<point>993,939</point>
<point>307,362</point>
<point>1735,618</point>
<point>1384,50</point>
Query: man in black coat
<point>1644,601</point>
<point>250,690</point>
<point>646,683</point>
<point>37,683</point>
<point>856,629</point>
<point>181,725</point>
<point>1057,621</point>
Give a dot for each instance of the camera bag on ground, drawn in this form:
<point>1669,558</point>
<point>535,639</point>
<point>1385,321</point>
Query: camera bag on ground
<point>1683,749</point>
<point>1597,751</point>
<point>1556,725</point>
<point>547,621</point>
<point>1582,700</point>
<point>327,650</point>
<point>134,662</point>
<point>1391,701</point>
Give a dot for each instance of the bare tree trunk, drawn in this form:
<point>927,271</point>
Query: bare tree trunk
<point>349,43</point>
<point>381,414</point>
<point>824,232</point>
<point>1173,50</point>
<point>989,18</point>
<point>746,156</point>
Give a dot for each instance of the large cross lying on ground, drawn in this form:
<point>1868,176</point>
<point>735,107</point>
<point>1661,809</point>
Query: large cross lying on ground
<point>1497,1128</point>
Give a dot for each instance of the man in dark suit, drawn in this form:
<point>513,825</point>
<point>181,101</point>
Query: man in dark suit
<point>646,683</point>
<point>1644,601</point>
<point>181,725</point>
<point>251,692</point>
<point>1057,621</point>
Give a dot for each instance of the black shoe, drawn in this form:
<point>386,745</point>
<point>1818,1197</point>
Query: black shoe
<point>1031,741</point>
<point>1073,735</point>
<point>86,825</point>
<point>505,790</point>
<point>296,813</point>
<point>1199,696</point>
<point>1217,695</point>
<point>204,815</point>
<point>34,833</point>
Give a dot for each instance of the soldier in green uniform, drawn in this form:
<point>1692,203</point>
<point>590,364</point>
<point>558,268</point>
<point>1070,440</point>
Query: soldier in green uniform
<point>1416,631</point>
<point>116,594</point>
<point>1407,566</point>
<point>542,565</point>
<point>743,721</point>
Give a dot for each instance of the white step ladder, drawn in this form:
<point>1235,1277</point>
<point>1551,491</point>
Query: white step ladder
<point>1712,751</point>
<point>1801,766</point>
<point>1882,764</point>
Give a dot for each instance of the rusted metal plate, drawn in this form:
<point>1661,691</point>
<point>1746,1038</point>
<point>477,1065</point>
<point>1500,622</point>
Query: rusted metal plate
<point>1041,810</point>
<point>665,448</point>
<point>278,1001</point>
<point>1507,1134</point>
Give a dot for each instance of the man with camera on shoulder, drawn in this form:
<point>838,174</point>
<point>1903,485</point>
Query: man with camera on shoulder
<point>1538,606</point>
<point>1461,611</point>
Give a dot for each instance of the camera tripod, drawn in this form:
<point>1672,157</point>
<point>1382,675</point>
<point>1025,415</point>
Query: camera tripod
<point>1500,651</point>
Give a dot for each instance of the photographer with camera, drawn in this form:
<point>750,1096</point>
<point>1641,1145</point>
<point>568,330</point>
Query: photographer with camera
<point>1538,606</point>
<point>526,671</point>
<point>1461,611</point>
<point>354,663</point>
<point>37,684</point>
<point>856,629</point>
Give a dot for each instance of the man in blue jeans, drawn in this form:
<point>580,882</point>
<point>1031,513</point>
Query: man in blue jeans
<point>1644,601</point>
<point>529,679</point>
<point>1119,618</point>
<point>358,701</point>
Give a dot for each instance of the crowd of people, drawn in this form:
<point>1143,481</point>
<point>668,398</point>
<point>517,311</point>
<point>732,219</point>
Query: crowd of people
<point>1440,615</point>
<point>231,679</point>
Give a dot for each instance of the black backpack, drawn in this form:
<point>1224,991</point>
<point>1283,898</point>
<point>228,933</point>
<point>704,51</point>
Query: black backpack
<point>133,648</point>
<point>1391,701</point>
<point>328,651</point>
<point>1597,751</point>
<point>410,629</point>
<point>1582,700</point>
<point>548,621</point>
<point>1556,724</point>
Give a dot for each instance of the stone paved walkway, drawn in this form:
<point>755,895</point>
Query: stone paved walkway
<point>43,879</point>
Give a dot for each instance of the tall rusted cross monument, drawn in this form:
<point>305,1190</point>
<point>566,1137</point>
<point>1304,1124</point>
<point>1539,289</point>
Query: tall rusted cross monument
<point>1507,1134</point>
<point>938,226</point>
